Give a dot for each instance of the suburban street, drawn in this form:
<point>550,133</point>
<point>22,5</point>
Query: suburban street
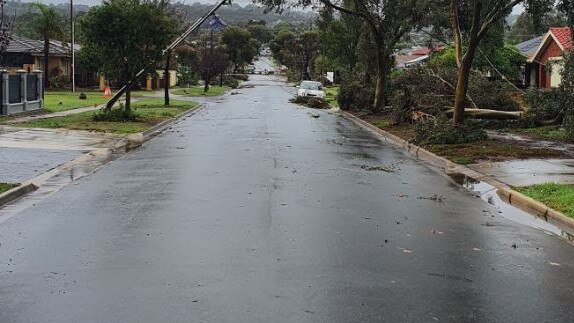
<point>258,210</point>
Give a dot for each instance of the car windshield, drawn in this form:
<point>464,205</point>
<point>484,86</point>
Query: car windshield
<point>311,85</point>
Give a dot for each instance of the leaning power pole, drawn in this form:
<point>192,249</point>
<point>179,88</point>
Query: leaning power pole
<point>165,52</point>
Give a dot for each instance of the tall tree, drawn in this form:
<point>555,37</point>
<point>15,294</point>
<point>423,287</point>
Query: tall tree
<point>127,35</point>
<point>471,21</point>
<point>49,24</point>
<point>387,20</point>
<point>240,49</point>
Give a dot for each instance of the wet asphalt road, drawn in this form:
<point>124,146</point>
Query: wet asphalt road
<point>254,211</point>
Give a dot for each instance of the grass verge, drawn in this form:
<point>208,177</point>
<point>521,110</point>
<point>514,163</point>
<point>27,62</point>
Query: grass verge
<point>470,153</point>
<point>55,101</point>
<point>198,91</point>
<point>150,113</point>
<point>545,133</point>
<point>557,196</point>
<point>6,187</point>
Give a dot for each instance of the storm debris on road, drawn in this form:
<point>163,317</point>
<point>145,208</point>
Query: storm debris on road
<point>453,277</point>
<point>390,168</point>
<point>434,197</point>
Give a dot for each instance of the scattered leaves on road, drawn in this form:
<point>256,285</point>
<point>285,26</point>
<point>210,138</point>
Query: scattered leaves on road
<point>390,168</point>
<point>453,277</point>
<point>434,197</point>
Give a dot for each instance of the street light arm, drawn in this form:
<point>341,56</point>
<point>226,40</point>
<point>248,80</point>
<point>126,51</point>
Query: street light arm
<point>176,42</point>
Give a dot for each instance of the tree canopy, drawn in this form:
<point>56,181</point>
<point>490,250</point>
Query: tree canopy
<point>126,35</point>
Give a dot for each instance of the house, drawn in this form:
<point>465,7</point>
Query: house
<point>546,61</point>
<point>28,54</point>
<point>528,75</point>
<point>414,56</point>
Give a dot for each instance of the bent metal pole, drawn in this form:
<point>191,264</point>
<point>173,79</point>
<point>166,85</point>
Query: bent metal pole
<point>176,42</point>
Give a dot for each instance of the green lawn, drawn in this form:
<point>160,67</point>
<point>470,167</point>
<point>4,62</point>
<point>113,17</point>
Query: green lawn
<point>198,91</point>
<point>557,196</point>
<point>150,113</point>
<point>55,101</point>
<point>331,98</point>
<point>546,132</point>
<point>6,186</point>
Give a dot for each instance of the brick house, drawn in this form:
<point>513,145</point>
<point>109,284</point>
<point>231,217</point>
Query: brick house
<point>26,53</point>
<point>547,59</point>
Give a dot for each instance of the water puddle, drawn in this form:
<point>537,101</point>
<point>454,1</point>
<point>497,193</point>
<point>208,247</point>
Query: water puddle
<point>489,194</point>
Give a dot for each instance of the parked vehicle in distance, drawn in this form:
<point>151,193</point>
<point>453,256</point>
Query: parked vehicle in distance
<point>251,69</point>
<point>311,88</point>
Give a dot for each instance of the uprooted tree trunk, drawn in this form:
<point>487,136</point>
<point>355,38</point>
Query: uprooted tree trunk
<point>489,114</point>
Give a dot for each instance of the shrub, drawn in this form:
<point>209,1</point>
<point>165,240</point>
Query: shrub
<point>353,95</point>
<point>60,82</point>
<point>116,115</point>
<point>441,130</point>
<point>545,105</point>
<point>241,77</point>
<point>569,124</point>
<point>231,82</point>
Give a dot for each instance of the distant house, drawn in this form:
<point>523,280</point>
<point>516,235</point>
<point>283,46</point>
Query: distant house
<point>414,56</point>
<point>28,54</point>
<point>545,62</point>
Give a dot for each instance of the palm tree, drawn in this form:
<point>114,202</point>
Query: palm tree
<point>49,24</point>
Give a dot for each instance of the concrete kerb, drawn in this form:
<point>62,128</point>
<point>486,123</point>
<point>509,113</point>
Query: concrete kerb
<point>506,192</point>
<point>123,146</point>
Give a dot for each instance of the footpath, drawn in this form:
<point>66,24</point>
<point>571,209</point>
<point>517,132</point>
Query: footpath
<point>44,160</point>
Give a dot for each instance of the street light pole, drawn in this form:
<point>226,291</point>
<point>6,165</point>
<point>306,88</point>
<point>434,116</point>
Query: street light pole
<point>73,67</point>
<point>176,42</point>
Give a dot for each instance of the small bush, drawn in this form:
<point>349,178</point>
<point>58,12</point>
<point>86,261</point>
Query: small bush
<point>568,124</point>
<point>231,82</point>
<point>545,105</point>
<point>441,130</point>
<point>241,77</point>
<point>116,115</point>
<point>354,95</point>
<point>60,82</point>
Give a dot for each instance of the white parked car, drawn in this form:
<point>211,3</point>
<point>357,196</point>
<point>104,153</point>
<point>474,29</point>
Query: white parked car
<point>311,88</point>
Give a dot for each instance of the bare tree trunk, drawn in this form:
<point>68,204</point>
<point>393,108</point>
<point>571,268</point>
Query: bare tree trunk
<point>166,79</point>
<point>128,104</point>
<point>206,85</point>
<point>383,61</point>
<point>460,93</point>
<point>46,62</point>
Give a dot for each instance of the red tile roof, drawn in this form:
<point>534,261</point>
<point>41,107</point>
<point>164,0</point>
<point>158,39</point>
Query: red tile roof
<point>421,51</point>
<point>564,36</point>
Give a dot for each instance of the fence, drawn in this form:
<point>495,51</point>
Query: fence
<point>21,92</point>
